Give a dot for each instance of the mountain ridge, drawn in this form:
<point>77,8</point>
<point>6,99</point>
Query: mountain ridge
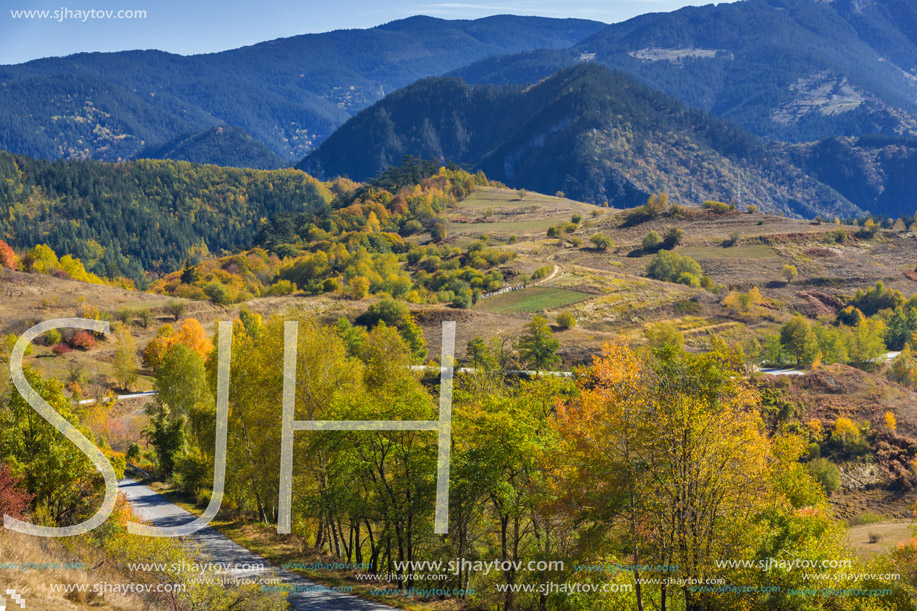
<point>289,93</point>
<point>595,135</point>
<point>783,69</point>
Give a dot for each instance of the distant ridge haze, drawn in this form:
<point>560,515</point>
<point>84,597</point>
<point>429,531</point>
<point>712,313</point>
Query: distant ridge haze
<point>288,93</point>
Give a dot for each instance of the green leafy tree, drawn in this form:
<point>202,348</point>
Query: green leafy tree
<point>868,344</point>
<point>798,339</point>
<point>537,346</point>
<point>670,266</point>
<point>478,354</point>
<point>63,481</point>
<point>601,241</point>
<point>651,241</point>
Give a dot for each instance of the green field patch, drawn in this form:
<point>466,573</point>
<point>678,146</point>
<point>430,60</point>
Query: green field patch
<point>533,299</point>
<point>482,198</point>
<point>497,226</point>
<point>745,251</point>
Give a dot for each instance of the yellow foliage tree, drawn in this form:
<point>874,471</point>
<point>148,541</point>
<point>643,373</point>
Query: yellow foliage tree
<point>671,449</point>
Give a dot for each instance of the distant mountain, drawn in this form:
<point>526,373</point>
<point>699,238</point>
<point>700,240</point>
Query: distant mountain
<point>877,172</point>
<point>288,93</point>
<point>222,145</point>
<point>596,135</point>
<point>795,70</point>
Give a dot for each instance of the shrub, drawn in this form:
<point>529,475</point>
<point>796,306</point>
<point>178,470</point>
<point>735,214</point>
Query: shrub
<point>566,320</point>
<point>281,288</point>
<point>145,317</point>
<point>576,218</point>
<point>663,334</point>
<point>462,298</point>
<point>689,279</point>
<point>217,293</point>
<point>732,240</point>
<point>52,337</point>
<point>176,309</point>
<point>358,287</point>
<point>438,232</point>
<point>541,272</point>
<point>389,311</point>
<point>657,205</point>
<point>673,237</point>
<point>838,236</point>
<point>826,474</point>
<point>411,227</point>
<point>716,207</point>
<point>60,348</point>
<point>669,266</point>
<point>82,340</point>
<point>651,241</point>
<point>601,241</point>
<point>13,500</point>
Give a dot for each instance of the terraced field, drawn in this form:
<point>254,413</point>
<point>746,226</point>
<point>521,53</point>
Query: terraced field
<point>531,300</point>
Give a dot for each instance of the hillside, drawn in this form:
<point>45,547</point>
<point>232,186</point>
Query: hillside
<point>589,291</point>
<point>222,145</point>
<point>133,217</point>
<point>288,93</point>
<point>877,172</point>
<point>787,69</point>
<point>595,135</point>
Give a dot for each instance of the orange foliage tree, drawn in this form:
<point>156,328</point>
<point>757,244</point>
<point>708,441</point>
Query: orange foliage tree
<point>191,334</point>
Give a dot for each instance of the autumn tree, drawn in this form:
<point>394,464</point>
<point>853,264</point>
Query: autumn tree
<point>789,273</point>
<point>7,256</point>
<point>662,334</point>
<point>670,453</point>
<point>126,362</point>
<point>13,499</point>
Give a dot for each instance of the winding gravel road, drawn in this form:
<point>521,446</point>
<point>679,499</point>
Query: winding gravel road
<point>160,511</point>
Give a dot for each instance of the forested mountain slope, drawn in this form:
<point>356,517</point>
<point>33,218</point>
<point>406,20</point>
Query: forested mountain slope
<point>595,135</point>
<point>788,69</point>
<point>137,216</point>
<point>222,145</point>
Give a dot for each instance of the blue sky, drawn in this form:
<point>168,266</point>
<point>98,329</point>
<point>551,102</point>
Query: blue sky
<point>200,26</point>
